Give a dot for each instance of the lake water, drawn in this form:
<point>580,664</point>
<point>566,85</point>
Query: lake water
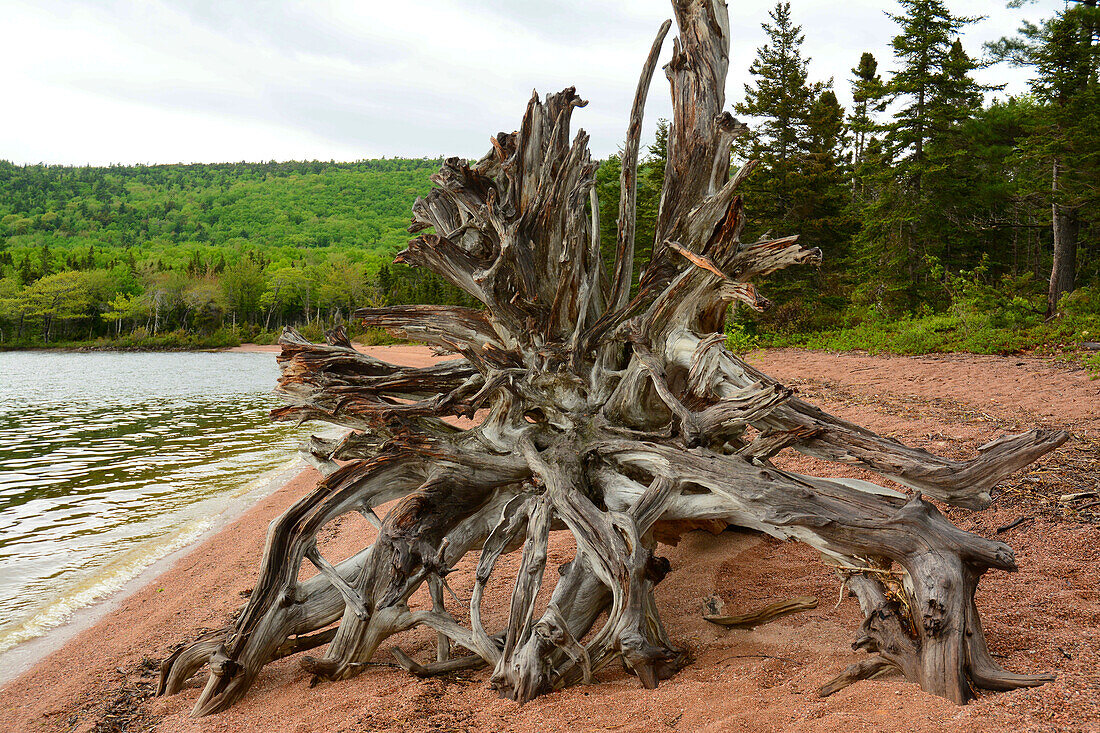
<point>110,461</point>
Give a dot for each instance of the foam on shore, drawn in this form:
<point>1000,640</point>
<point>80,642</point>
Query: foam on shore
<point>82,605</point>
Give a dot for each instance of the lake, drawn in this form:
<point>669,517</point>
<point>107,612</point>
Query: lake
<point>110,461</point>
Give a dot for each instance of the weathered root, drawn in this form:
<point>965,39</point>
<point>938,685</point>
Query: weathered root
<point>864,669</point>
<point>418,541</point>
<point>764,615</point>
<point>447,666</point>
<point>617,416</point>
<point>921,618</point>
<point>451,512</point>
<point>962,483</point>
<point>280,606</point>
<point>932,635</point>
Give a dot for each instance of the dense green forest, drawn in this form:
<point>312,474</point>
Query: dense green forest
<point>203,254</point>
<point>948,221</point>
<point>938,212</point>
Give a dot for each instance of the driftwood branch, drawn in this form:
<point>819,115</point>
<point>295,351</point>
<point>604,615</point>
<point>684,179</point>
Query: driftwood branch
<point>615,416</point>
<point>761,616</point>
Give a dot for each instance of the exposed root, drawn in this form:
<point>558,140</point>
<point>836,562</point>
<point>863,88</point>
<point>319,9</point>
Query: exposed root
<point>619,418</point>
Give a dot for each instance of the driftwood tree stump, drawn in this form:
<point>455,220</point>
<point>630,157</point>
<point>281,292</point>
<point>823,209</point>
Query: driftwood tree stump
<point>606,415</point>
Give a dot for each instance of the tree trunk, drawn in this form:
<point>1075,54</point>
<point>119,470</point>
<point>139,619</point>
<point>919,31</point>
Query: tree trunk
<point>608,416</point>
<point>1063,270</point>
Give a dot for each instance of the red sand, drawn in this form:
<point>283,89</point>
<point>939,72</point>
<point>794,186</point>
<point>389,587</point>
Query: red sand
<point>1045,617</point>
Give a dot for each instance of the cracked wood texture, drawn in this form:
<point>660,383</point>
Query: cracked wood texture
<point>615,417</point>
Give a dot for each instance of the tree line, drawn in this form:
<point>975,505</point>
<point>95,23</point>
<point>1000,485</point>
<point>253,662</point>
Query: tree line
<point>925,198</point>
<point>212,252</point>
<point>922,179</point>
<point>922,196</point>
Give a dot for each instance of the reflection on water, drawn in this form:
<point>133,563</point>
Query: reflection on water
<point>109,461</point>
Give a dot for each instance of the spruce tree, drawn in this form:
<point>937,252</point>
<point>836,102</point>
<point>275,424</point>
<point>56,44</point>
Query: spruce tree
<point>820,190</point>
<point>868,97</point>
<point>801,182</point>
<point>932,93</point>
<point>780,96</point>
<point>924,82</point>
<point>1065,138</point>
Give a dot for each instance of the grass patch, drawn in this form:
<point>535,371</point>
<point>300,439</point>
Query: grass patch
<point>947,332</point>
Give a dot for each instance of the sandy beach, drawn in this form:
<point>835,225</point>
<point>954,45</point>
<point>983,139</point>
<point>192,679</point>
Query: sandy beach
<point>1045,617</point>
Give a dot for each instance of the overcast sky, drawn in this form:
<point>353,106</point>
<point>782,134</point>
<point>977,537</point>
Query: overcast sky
<point>102,81</point>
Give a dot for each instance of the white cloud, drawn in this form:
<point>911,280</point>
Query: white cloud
<point>203,80</point>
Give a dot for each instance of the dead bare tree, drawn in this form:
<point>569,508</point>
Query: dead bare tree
<point>605,415</point>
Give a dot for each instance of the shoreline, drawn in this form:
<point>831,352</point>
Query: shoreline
<point>24,656</point>
<point>92,651</point>
<point>20,658</point>
<point>1036,356</point>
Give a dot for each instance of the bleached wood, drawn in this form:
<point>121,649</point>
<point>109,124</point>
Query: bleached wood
<point>619,418</point>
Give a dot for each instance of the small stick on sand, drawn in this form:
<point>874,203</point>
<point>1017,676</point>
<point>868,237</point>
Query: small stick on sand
<point>768,613</point>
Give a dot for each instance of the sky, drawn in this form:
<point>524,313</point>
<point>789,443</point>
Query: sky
<point>166,81</point>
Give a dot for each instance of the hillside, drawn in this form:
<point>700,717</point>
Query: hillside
<point>202,255</point>
<point>168,208</point>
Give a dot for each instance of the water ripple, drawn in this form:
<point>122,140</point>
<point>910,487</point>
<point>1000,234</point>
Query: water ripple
<point>109,461</point>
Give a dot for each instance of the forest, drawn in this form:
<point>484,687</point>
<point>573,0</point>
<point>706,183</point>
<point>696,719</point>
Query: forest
<point>951,216</point>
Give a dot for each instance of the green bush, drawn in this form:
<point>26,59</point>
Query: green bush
<point>738,340</point>
<point>1081,303</point>
<point>376,337</point>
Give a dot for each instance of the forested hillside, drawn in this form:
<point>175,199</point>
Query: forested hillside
<point>950,215</point>
<point>205,251</point>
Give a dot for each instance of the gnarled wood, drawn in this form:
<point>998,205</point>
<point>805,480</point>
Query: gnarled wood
<point>618,417</point>
<point>761,616</point>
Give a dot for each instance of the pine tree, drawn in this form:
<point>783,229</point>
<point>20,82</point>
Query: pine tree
<point>868,93</point>
<point>658,153</point>
<point>820,178</point>
<point>45,259</point>
<point>801,183</point>
<point>932,93</point>
<point>1065,54</point>
<point>26,270</point>
<point>781,96</point>
<point>925,81</point>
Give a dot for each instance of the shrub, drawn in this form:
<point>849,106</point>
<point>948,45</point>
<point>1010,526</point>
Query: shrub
<point>738,340</point>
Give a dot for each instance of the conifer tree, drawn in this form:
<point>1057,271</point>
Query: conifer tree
<point>932,92</point>
<point>820,179</point>
<point>867,95</point>
<point>1065,54</point>
<point>780,96</point>
<point>799,140</point>
<point>929,76</point>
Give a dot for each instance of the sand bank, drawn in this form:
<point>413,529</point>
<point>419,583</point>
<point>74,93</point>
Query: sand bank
<point>1045,617</point>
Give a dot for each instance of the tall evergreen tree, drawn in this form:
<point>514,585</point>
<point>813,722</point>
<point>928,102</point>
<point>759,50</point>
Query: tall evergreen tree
<point>932,93</point>
<point>950,176</point>
<point>1065,53</point>
<point>867,95</point>
<point>927,79</point>
<point>780,96</point>
<point>819,182</point>
<point>801,184</point>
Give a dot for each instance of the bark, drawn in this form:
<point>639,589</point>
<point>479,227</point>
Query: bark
<point>1063,269</point>
<point>620,419</point>
<point>761,616</point>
